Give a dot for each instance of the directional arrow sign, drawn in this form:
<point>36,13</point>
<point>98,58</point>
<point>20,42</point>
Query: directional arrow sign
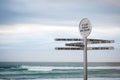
<point>98,42</point>
<point>88,40</point>
<point>67,48</point>
<point>75,44</point>
<point>68,39</point>
<point>100,48</point>
<point>78,45</point>
<point>81,48</point>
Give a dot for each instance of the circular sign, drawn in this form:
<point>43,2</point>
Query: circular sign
<point>85,27</point>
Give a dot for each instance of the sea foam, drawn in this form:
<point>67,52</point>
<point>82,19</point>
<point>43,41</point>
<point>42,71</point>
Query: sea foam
<point>51,68</point>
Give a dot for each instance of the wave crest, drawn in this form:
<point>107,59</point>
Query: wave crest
<point>48,68</point>
<point>51,68</point>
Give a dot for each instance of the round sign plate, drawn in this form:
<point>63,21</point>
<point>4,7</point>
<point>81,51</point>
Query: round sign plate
<point>85,27</point>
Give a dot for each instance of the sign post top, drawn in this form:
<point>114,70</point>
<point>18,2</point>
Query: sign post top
<point>85,27</point>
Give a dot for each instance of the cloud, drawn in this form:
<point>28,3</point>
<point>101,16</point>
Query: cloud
<point>54,12</point>
<point>111,2</point>
<point>38,6</point>
<point>110,31</point>
<point>38,29</point>
<point>32,29</point>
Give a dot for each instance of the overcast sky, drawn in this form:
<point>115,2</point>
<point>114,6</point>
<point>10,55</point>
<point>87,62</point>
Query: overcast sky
<point>28,29</point>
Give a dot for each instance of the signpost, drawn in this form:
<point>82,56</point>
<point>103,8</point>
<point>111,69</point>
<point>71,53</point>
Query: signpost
<point>85,30</point>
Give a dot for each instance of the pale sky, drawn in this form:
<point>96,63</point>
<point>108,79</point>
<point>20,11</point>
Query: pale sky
<point>28,29</point>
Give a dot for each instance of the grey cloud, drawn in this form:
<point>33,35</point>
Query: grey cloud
<point>54,11</point>
<point>111,2</point>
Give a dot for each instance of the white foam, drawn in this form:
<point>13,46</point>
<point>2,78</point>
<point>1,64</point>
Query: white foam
<point>47,68</point>
<point>105,67</point>
<point>50,68</point>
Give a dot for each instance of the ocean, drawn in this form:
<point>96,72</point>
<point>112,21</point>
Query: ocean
<point>58,71</point>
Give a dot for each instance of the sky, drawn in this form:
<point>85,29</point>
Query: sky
<point>28,29</point>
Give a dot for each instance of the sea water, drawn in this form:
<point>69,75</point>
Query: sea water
<point>58,71</point>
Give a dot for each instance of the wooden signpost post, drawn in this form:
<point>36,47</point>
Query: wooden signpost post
<point>85,30</point>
